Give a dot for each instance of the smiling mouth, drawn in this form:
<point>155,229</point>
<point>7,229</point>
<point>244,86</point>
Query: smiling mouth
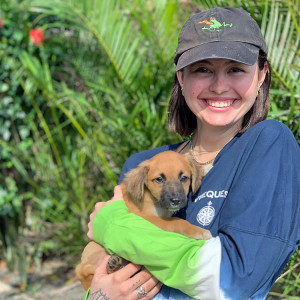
<point>221,104</point>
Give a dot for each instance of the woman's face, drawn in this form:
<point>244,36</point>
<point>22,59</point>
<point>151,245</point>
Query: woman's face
<point>220,91</point>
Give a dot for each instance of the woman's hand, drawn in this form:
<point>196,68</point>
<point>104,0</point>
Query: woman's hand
<point>131,282</point>
<point>117,196</point>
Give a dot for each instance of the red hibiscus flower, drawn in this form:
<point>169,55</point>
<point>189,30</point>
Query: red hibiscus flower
<point>37,36</point>
<point>1,22</point>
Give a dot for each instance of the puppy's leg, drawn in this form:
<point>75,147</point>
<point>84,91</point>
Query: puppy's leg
<point>91,256</point>
<point>180,226</point>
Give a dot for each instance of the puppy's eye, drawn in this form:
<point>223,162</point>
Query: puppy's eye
<point>158,179</point>
<point>183,178</point>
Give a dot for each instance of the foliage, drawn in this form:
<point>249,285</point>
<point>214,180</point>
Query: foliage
<point>91,92</point>
<point>15,111</point>
<point>68,159</point>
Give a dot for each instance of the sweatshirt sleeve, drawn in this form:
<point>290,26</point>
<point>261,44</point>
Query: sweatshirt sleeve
<point>170,257</point>
<point>259,224</point>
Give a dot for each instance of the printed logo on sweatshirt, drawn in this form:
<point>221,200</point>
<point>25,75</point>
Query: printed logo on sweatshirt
<point>206,214</point>
<point>212,195</point>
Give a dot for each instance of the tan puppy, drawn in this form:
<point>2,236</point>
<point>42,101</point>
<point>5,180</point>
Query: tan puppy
<point>156,189</point>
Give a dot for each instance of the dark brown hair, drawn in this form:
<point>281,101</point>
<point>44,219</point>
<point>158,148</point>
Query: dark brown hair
<point>184,122</point>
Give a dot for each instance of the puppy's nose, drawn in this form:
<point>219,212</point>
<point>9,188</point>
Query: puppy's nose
<point>175,201</point>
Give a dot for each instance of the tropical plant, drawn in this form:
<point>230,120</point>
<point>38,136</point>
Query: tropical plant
<point>70,159</point>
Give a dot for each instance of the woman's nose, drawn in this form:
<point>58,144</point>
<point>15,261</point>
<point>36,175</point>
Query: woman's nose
<point>219,84</point>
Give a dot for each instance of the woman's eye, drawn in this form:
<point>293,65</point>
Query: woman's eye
<point>183,178</point>
<point>202,70</point>
<point>159,179</point>
<point>236,70</point>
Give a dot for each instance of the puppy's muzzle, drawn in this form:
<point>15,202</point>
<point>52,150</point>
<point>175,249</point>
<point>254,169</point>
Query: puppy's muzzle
<point>173,197</point>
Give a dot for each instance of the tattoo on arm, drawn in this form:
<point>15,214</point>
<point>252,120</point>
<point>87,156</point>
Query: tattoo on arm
<point>99,295</point>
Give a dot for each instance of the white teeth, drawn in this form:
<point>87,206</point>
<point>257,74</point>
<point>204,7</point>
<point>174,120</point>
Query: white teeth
<point>224,103</point>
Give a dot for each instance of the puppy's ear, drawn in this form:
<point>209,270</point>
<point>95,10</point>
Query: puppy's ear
<point>135,181</point>
<point>197,175</point>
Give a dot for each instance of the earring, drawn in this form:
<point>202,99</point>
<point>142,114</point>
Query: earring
<point>258,91</point>
<point>182,91</point>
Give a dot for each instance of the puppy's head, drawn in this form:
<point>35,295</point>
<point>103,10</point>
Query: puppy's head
<point>168,176</point>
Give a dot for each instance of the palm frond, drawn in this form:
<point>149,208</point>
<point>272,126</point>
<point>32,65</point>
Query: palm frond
<point>282,40</point>
<point>105,21</point>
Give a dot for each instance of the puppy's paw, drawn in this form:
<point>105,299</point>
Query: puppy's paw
<point>203,234</point>
<point>115,263</point>
<point>206,234</point>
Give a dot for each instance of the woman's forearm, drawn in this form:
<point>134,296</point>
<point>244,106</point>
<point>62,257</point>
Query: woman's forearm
<point>180,262</point>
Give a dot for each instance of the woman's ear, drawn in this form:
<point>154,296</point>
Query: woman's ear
<point>179,75</point>
<point>262,74</point>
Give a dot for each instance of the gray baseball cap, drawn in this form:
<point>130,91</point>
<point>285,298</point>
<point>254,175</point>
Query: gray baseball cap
<point>221,32</point>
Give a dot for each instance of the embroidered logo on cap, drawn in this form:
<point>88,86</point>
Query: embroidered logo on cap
<point>214,25</point>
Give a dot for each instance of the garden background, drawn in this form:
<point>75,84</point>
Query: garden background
<point>83,85</point>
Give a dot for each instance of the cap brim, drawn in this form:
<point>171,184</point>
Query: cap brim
<point>236,51</point>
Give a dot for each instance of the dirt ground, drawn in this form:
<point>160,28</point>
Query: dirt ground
<point>54,280</point>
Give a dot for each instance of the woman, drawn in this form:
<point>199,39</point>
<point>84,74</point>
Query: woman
<point>249,198</point>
